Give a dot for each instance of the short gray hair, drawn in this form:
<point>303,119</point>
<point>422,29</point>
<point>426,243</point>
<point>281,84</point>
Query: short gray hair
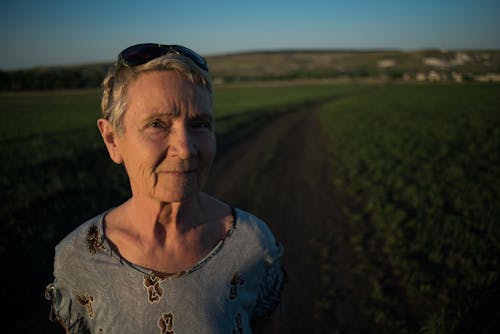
<point>115,83</point>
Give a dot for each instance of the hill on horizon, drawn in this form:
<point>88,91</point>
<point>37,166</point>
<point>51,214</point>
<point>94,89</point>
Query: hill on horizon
<point>421,65</point>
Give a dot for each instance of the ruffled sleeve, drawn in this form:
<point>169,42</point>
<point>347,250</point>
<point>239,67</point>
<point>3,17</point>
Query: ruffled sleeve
<point>271,288</point>
<point>65,307</point>
<point>64,310</point>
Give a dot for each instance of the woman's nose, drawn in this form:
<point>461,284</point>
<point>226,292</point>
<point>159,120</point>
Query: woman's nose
<point>182,143</point>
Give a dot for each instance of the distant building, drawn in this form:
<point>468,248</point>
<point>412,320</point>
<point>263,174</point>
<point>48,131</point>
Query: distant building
<point>386,63</point>
<point>420,77</point>
<point>460,59</point>
<point>435,62</point>
<point>433,76</point>
<point>457,77</point>
<point>489,77</point>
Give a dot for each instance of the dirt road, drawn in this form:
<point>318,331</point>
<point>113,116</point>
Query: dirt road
<point>282,173</point>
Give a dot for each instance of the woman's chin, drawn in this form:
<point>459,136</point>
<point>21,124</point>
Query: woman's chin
<point>175,188</point>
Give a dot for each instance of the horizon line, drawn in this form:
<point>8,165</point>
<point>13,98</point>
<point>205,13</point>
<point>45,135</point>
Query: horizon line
<point>271,51</point>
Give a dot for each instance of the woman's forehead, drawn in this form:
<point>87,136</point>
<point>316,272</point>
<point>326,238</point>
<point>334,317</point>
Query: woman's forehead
<point>175,113</point>
<point>164,80</point>
<point>167,93</point>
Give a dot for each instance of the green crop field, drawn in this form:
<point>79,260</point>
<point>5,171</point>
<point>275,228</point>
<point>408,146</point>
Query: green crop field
<point>421,166</point>
<point>416,164</point>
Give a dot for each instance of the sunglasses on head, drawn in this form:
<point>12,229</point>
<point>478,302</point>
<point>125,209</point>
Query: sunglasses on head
<point>142,53</point>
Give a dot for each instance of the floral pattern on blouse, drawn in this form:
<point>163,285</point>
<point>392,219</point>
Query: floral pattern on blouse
<point>87,301</point>
<point>152,284</point>
<point>166,323</point>
<point>94,241</point>
<point>236,280</point>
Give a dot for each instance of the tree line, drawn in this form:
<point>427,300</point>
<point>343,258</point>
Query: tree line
<point>49,78</point>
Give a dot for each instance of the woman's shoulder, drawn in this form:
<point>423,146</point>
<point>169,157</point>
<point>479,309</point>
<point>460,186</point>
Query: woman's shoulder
<point>87,236</point>
<point>258,232</point>
<point>252,223</point>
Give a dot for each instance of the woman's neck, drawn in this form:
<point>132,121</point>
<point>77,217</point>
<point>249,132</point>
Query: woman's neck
<point>150,216</point>
<point>167,237</point>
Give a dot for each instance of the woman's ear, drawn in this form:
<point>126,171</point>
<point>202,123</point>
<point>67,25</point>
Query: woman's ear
<point>110,136</point>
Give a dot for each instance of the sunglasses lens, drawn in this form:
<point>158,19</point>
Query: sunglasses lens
<point>199,60</point>
<point>141,54</point>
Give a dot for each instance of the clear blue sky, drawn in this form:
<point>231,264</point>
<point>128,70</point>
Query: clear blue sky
<point>53,32</point>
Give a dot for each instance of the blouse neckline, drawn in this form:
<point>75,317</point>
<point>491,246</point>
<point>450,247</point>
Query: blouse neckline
<point>215,250</point>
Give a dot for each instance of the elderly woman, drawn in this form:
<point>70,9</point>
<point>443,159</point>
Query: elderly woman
<point>171,259</point>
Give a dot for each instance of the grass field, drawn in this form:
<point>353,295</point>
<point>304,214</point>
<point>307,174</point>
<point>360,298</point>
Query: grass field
<point>417,165</point>
<point>420,165</point>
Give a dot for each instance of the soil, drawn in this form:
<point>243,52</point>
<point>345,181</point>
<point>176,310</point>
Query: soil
<point>282,173</point>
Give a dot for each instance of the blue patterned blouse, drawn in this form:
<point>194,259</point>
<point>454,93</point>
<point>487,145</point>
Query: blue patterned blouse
<point>95,290</point>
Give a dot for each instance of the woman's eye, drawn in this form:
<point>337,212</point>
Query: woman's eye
<point>201,124</point>
<point>157,125</point>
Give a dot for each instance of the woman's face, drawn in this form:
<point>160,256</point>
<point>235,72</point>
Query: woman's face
<point>168,142</point>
